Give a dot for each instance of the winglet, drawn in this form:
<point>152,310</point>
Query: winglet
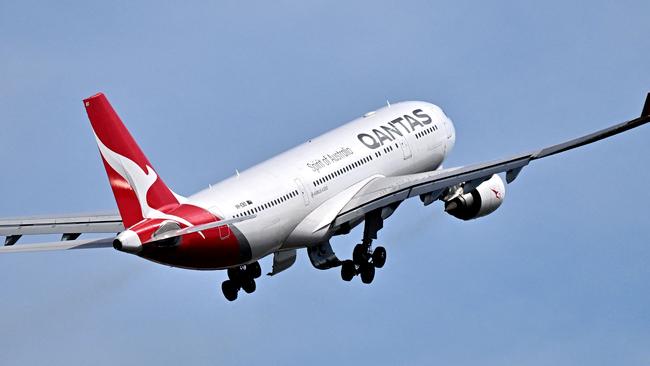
<point>646,107</point>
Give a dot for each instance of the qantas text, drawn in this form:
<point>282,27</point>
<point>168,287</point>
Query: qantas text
<point>397,127</point>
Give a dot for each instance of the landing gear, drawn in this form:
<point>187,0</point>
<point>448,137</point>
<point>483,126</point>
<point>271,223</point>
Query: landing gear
<point>379,257</point>
<point>367,273</point>
<point>364,259</point>
<point>242,277</point>
<point>348,270</point>
<point>364,262</point>
<point>360,253</point>
<point>249,286</point>
<point>230,289</point>
<point>254,270</point>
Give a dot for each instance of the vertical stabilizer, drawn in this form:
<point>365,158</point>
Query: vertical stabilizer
<point>138,189</point>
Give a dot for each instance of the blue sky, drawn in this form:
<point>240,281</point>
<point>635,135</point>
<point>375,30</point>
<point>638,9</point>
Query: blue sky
<point>559,275</point>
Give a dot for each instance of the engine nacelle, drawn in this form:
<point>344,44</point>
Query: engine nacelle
<point>481,201</point>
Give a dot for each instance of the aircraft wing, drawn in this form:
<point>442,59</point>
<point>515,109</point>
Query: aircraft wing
<point>390,191</point>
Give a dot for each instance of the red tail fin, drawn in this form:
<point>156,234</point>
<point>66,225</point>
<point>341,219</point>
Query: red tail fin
<point>137,187</point>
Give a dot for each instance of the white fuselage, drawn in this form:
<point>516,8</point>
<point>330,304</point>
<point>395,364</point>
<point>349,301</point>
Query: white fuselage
<point>285,189</point>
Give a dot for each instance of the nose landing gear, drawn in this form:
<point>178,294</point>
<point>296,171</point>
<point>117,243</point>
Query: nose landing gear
<point>242,277</point>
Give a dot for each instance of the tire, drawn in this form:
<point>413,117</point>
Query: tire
<point>379,257</point>
<point>360,254</point>
<point>367,273</point>
<point>254,269</point>
<point>229,289</point>
<point>249,286</point>
<point>348,270</point>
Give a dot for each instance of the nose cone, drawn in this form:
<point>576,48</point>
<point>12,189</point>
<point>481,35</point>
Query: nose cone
<point>127,241</point>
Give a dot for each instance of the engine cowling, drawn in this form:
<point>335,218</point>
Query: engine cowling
<point>481,201</point>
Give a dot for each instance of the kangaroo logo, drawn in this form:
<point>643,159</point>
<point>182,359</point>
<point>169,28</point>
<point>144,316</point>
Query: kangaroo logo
<point>139,181</point>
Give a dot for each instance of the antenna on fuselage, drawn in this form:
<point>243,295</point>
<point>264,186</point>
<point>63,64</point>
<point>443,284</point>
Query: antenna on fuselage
<point>387,103</point>
<point>237,171</point>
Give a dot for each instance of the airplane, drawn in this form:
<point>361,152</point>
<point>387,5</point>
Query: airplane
<point>358,173</point>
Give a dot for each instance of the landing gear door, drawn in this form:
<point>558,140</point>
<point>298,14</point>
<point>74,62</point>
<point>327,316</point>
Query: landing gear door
<point>301,189</point>
<point>282,261</point>
<point>406,149</point>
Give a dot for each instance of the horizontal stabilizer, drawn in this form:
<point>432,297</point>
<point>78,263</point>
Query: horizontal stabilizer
<point>59,245</point>
<point>102,222</point>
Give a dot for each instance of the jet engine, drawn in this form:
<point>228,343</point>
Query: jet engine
<point>480,201</point>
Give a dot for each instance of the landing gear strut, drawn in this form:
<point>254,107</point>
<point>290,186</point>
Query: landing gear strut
<point>242,277</point>
<point>364,259</point>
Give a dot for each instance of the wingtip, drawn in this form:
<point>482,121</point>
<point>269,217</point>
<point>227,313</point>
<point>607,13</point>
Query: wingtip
<point>646,107</point>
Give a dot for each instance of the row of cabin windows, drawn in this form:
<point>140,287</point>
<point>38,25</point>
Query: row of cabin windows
<point>343,170</point>
<point>368,158</point>
<point>268,204</point>
<point>426,132</point>
<point>389,148</point>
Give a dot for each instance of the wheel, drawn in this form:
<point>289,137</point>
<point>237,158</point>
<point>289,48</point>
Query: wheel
<point>367,273</point>
<point>234,274</point>
<point>360,254</point>
<point>249,286</point>
<point>379,257</point>
<point>348,270</point>
<point>229,289</point>
<point>254,270</point>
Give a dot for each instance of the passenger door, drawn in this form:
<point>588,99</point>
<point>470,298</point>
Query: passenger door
<point>301,189</point>
<point>406,149</point>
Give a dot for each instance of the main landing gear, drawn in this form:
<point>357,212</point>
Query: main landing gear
<point>364,262</point>
<point>242,277</point>
<point>364,259</point>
